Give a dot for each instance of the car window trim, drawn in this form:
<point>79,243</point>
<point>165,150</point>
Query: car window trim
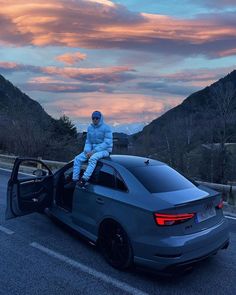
<point>115,172</point>
<point>99,162</point>
<point>122,179</point>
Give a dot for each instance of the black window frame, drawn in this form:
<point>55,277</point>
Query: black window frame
<point>115,174</point>
<point>122,180</point>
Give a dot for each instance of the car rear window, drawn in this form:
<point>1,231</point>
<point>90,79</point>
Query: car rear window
<point>158,179</point>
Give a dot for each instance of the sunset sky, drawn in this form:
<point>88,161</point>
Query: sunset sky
<point>131,59</point>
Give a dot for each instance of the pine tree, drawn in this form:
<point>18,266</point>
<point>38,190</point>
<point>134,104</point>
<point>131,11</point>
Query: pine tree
<point>65,126</point>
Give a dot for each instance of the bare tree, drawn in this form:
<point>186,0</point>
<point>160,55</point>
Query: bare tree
<point>223,95</point>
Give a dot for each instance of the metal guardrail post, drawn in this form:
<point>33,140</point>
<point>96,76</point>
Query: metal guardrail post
<point>232,196</point>
<point>39,165</point>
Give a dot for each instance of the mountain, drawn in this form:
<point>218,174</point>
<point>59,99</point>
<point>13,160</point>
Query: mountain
<point>205,117</point>
<point>128,129</point>
<point>27,130</point>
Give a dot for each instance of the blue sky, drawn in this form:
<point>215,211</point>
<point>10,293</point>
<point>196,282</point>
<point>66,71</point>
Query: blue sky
<point>133,60</point>
<point>176,8</point>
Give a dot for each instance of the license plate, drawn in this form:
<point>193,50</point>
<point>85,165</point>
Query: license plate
<point>206,213</point>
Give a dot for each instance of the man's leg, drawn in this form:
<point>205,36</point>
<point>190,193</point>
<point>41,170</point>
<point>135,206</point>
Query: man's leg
<point>77,163</point>
<point>92,163</point>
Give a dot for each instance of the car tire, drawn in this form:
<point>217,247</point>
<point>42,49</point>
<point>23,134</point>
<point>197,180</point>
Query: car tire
<point>115,245</point>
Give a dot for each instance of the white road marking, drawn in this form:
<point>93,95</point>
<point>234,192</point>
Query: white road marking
<point>230,217</point>
<point>6,230</point>
<point>99,275</point>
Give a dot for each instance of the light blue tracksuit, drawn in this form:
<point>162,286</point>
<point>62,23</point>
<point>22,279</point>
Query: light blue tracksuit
<point>99,141</point>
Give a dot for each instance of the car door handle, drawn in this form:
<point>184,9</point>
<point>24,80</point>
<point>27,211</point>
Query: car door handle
<point>38,180</point>
<point>100,201</point>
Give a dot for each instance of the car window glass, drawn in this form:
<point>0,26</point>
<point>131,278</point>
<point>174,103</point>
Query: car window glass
<point>161,178</point>
<point>103,175</point>
<point>94,177</point>
<point>120,183</point>
<point>68,173</point>
<point>31,169</point>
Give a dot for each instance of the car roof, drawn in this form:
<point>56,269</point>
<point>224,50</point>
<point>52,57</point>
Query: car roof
<point>132,161</point>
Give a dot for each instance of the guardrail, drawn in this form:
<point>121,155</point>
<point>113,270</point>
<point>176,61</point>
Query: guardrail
<point>228,191</point>
<point>7,162</point>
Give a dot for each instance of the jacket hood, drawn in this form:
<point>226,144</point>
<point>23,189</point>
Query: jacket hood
<point>101,121</point>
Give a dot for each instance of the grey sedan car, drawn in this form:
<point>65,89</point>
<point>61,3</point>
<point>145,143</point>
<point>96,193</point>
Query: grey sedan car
<point>137,210</point>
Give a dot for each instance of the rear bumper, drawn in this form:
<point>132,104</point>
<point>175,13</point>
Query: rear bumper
<point>180,251</point>
<point>192,261</point>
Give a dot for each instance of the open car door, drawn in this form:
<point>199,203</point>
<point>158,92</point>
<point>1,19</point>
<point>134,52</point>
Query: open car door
<point>30,187</point>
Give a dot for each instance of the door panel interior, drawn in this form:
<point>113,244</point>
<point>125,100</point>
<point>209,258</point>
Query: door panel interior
<point>33,193</point>
<point>30,187</point>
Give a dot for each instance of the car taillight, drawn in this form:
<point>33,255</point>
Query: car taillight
<point>220,205</point>
<point>171,219</point>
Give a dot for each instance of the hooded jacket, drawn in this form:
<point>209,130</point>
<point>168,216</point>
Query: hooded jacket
<point>99,138</point>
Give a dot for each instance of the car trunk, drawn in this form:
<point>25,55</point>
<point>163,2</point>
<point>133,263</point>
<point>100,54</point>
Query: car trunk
<point>194,200</point>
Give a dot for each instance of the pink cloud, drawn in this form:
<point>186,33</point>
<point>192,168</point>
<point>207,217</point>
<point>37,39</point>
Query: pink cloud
<point>106,75</point>
<point>10,35</point>
<point>197,77</point>
<point>104,2</point>
<point>16,67</point>
<point>43,80</point>
<point>48,84</point>
<point>72,79</point>
<point>121,108</point>
<point>91,75</point>
<point>8,65</point>
<point>103,24</point>
<point>184,82</point>
<point>71,58</point>
<point>228,52</point>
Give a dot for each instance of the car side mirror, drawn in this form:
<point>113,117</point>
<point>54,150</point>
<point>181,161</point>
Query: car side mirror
<point>39,172</point>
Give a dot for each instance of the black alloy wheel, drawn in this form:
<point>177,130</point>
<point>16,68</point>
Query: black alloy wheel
<point>115,245</point>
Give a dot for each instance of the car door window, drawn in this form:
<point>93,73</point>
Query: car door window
<point>31,169</point>
<point>104,175</point>
<point>120,184</point>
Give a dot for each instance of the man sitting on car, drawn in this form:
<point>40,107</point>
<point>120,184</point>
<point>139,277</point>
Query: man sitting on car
<point>98,145</point>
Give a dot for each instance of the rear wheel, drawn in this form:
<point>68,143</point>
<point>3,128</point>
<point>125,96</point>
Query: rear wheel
<point>115,245</point>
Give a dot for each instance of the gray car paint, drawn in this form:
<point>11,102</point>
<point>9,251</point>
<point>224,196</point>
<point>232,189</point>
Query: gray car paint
<point>153,246</point>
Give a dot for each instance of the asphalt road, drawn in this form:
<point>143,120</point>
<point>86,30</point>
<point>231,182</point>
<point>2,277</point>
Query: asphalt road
<point>38,256</point>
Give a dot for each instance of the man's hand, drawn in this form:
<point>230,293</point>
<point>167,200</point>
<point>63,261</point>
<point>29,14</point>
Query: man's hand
<point>89,154</point>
